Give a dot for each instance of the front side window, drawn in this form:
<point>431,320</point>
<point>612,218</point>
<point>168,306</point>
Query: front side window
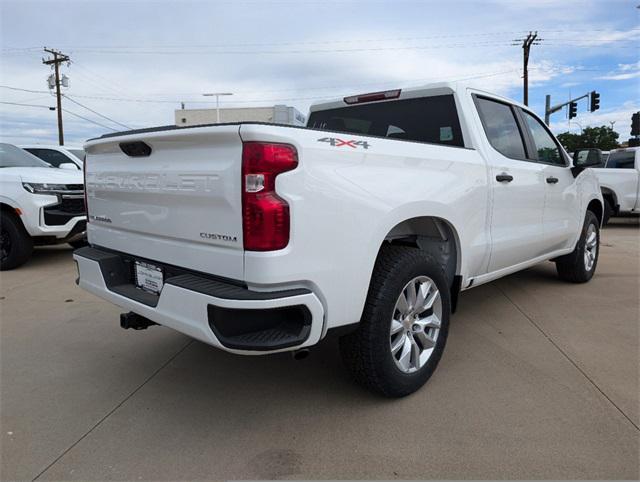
<point>547,150</point>
<point>501,128</point>
<point>621,160</point>
<point>427,119</point>
<point>55,158</point>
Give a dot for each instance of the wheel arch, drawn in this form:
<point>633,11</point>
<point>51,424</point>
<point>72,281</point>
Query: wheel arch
<point>11,211</point>
<point>437,237</point>
<point>597,208</point>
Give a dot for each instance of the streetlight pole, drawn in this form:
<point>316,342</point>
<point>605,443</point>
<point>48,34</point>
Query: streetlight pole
<point>217,96</point>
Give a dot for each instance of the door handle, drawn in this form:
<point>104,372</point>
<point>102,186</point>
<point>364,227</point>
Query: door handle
<point>504,177</point>
<point>552,180</point>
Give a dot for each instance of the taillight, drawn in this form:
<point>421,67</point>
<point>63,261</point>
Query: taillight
<point>265,215</point>
<point>84,174</point>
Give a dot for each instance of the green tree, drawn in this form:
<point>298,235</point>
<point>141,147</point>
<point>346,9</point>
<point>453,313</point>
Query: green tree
<point>603,138</point>
<point>570,141</point>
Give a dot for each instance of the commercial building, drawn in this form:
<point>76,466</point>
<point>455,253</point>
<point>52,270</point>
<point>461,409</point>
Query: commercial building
<point>278,114</point>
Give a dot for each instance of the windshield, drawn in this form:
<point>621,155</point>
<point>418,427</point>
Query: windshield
<point>79,153</point>
<point>12,156</point>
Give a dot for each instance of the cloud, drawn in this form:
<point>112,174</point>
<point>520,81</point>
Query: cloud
<point>620,116</point>
<point>624,72</point>
<point>430,45</point>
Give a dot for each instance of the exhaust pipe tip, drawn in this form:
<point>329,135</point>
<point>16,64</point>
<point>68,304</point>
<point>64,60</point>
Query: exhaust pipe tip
<point>300,354</point>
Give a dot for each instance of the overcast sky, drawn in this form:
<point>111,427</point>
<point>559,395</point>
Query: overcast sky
<point>134,61</point>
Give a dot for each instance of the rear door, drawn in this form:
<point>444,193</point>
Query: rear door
<point>561,218</point>
<point>177,201</point>
<point>516,185</point>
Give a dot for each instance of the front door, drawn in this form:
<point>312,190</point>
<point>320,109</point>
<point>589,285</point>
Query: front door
<point>562,218</point>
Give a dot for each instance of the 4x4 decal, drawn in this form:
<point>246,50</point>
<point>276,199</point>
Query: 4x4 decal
<point>334,141</point>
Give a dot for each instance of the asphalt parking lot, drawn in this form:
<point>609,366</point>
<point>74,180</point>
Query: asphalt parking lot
<point>539,380</point>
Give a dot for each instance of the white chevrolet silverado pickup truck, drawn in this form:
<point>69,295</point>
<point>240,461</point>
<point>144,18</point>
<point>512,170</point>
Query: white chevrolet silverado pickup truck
<point>258,238</point>
<point>620,182</point>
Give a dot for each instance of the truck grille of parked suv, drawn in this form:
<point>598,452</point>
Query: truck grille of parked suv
<point>69,206</point>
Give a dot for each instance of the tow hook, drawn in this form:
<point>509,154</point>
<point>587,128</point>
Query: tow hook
<point>300,354</point>
<point>134,321</point>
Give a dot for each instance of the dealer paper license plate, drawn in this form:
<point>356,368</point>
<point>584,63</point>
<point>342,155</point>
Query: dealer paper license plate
<point>149,277</point>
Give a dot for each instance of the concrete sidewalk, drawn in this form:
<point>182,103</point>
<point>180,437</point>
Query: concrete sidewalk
<point>539,380</point>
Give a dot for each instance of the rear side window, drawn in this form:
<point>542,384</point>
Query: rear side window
<point>427,119</point>
<point>55,158</point>
<point>546,148</point>
<point>621,160</point>
<point>501,128</point>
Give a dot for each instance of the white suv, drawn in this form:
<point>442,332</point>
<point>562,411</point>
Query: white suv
<point>38,205</point>
<point>58,156</point>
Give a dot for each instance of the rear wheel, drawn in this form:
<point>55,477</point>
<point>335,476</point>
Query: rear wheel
<point>16,245</point>
<point>580,265</point>
<point>404,326</point>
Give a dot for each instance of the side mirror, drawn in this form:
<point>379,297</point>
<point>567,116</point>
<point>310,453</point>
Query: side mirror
<point>68,165</point>
<point>587,158</point>
<point>583,158</point>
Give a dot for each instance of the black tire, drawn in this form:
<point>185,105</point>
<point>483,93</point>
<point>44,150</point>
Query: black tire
<point>80,243</point>
<point>572,267</point>
<point>367,351</point>
<point>16,245</point>
<point>607,212</point>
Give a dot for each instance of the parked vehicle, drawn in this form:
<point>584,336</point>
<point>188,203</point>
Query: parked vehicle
<point>259,238</point>
<point>620,182</point>
<point>38,205</point>
<point>65,157</point>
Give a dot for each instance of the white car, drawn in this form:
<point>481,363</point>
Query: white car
<point>620,182</point>
<point>65,157</point>
<point>38,205</point>
<point>258,238</point>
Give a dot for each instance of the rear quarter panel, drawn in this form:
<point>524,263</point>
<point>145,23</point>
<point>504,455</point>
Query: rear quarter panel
<point>345,200</point>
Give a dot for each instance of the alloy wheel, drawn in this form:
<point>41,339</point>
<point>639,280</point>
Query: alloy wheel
<point>415,325</point>
<point>590,247</point>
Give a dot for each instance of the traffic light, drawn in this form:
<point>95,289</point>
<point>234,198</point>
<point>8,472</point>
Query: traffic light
<point>635,124</point>
<point>595,101</point>
<point>573,110</point>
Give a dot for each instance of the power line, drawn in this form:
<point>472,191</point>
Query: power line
<point>28,105</point>
<point>163,101</point>
<point>90,120</point>
<point>273,44</point>
<point>98,113</point>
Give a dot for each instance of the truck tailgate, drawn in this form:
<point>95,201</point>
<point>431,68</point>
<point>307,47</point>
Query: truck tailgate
<point>180,204</point>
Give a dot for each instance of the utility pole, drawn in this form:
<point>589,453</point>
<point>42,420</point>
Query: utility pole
<point>58,58</point>
<point>531,39</point>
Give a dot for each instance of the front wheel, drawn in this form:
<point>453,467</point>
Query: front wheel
<point>15,243</point>
<point>404,326</point>
<point>580,265</point>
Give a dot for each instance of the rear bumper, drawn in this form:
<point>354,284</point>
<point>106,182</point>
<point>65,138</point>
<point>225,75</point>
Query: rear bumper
<point>221,313</point>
